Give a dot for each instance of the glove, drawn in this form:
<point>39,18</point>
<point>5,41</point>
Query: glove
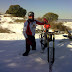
<point>28,41</point>
<point>45,20</point>
<point>47,26</point>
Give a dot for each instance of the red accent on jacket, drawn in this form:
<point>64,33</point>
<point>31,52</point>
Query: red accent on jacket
<point>28,31</point>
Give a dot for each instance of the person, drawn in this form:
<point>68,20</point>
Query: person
<point>29,32</point>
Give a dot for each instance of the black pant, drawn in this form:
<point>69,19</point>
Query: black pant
<point>32,39</point>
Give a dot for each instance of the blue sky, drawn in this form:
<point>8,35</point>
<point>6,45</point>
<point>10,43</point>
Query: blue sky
<point>61,7</point>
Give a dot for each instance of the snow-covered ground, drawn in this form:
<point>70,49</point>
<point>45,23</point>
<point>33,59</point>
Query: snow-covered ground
<point>12,46</point>
<point>11,59</point>
<point>68,24</point>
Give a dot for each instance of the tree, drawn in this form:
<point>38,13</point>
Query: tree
<point>16,10</point>
<point>39,19</point>
<point>51,16</point>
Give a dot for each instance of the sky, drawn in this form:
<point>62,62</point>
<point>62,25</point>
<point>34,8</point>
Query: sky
<point>40,7</point>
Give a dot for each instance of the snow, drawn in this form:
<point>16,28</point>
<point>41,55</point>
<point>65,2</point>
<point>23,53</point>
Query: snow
<point>18,28</point>
<point>12,46</point>
<point>11,59</point>
<point>68,24</point>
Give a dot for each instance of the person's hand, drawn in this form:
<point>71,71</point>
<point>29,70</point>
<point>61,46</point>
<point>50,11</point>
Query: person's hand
<point>45,20</point>
<point>28,41</point>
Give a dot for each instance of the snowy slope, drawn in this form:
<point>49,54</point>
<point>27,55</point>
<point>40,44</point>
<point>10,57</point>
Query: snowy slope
<point>11,59</point>
<point>68,24</point>
<point>12,46</point>
<point>17,28</point>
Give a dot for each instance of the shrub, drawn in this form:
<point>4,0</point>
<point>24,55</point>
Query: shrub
<point>51,16</point>
<point>16,10</point>
<point>10,22</point>
<point>17,20</point>
<point>39,19</point>
<point>59,26</point>
<point>5,30</point>
<point>8,15</point>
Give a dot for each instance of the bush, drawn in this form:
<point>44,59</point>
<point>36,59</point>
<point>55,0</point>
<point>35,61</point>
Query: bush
<point>39,19</point>
<point>10,22</point>
<point>5,30</point>
<point>16,10</point>
<point>51,16</point>
<point>7,15</point>
<point>17,20</point>
<point>59,26</point>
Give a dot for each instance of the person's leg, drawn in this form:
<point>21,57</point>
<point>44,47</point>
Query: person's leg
<point>33,44</point>
<point>27,49</point>
<point>32,39</point>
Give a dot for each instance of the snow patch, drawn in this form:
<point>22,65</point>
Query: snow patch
<point>12,65</point>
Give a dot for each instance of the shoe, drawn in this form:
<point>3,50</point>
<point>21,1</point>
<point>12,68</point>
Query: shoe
<point>25,54</point>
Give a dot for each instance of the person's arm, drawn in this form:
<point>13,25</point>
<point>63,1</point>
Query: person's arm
<point>24,29</point>
<point>39,23</point>
<point>45,21</point>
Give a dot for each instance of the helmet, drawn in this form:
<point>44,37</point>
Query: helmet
<point>31,14</point>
